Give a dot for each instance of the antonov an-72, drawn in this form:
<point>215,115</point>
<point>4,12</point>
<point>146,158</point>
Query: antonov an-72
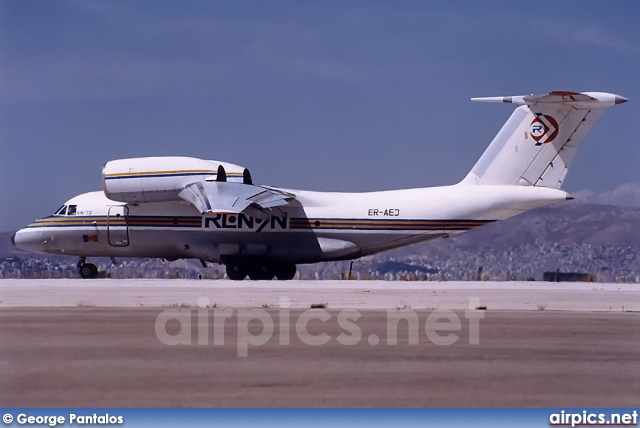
<point>179,207</point>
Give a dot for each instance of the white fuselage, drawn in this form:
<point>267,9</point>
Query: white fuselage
<point>318,226</point>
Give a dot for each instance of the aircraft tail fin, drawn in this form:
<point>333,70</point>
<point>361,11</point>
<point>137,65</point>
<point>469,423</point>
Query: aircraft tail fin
<point>536,145</point>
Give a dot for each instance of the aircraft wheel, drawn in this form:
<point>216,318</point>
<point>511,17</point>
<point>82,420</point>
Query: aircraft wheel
<point>285,271</point>
<point>88,271</point>
<point>262,271</point>
<point>236,272</point>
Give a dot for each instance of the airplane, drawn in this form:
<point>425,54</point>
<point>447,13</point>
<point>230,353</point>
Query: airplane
<point>187,208</point>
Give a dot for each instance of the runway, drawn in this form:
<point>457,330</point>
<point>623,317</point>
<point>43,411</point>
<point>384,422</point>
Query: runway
<point>454,295</point>
<point>80,343</point>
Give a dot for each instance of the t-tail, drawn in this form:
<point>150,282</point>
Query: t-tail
<point>536,145</point>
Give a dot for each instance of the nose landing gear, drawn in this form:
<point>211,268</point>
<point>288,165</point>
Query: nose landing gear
<point>87,270</point>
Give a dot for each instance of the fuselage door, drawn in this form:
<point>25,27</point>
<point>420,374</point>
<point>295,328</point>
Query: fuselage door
<point>117,227</point>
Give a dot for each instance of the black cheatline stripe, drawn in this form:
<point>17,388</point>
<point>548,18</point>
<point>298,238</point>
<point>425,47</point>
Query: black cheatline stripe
<point>121,221</point>
<point>69,223</point>
<point>303,219</point>
<point>382,227</point>
<point>164,221</point>
<point>385,228</point>
<point>303,223</point>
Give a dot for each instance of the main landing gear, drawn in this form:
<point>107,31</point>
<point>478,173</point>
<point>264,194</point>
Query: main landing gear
<point>260,270</point>
<point>87,270</point>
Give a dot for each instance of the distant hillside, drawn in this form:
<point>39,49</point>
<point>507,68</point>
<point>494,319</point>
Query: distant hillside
<point>563,224</point>
<point>594,239</point>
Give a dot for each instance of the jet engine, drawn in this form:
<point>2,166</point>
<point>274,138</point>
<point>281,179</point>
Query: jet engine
<point>161,179</point>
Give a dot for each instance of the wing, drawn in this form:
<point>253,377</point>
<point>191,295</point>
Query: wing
<point>225,197</point>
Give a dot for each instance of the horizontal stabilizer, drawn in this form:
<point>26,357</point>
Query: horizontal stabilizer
<point>577,99</point>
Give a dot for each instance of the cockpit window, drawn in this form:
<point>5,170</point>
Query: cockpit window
<point>72,210</point>
<point>62,210</point>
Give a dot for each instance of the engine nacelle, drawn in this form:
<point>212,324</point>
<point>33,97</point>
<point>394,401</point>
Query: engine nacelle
<point>161,179</point>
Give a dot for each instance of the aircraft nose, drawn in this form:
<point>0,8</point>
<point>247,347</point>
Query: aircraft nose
<point>27,240</point>
<point>33,239</point>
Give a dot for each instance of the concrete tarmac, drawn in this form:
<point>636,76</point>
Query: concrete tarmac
<point>85,344</point>
<point>455,295</point>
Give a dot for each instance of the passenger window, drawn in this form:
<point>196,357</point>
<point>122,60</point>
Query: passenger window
<point>72,210</point>
<point>62,210</point>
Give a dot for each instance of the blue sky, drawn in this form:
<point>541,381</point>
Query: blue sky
<point>348,96</point>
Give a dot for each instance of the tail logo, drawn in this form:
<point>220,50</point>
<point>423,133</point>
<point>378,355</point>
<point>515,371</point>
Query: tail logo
<point>544,129</point>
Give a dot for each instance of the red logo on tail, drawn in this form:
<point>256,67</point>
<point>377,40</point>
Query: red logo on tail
<point>543,129</point>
